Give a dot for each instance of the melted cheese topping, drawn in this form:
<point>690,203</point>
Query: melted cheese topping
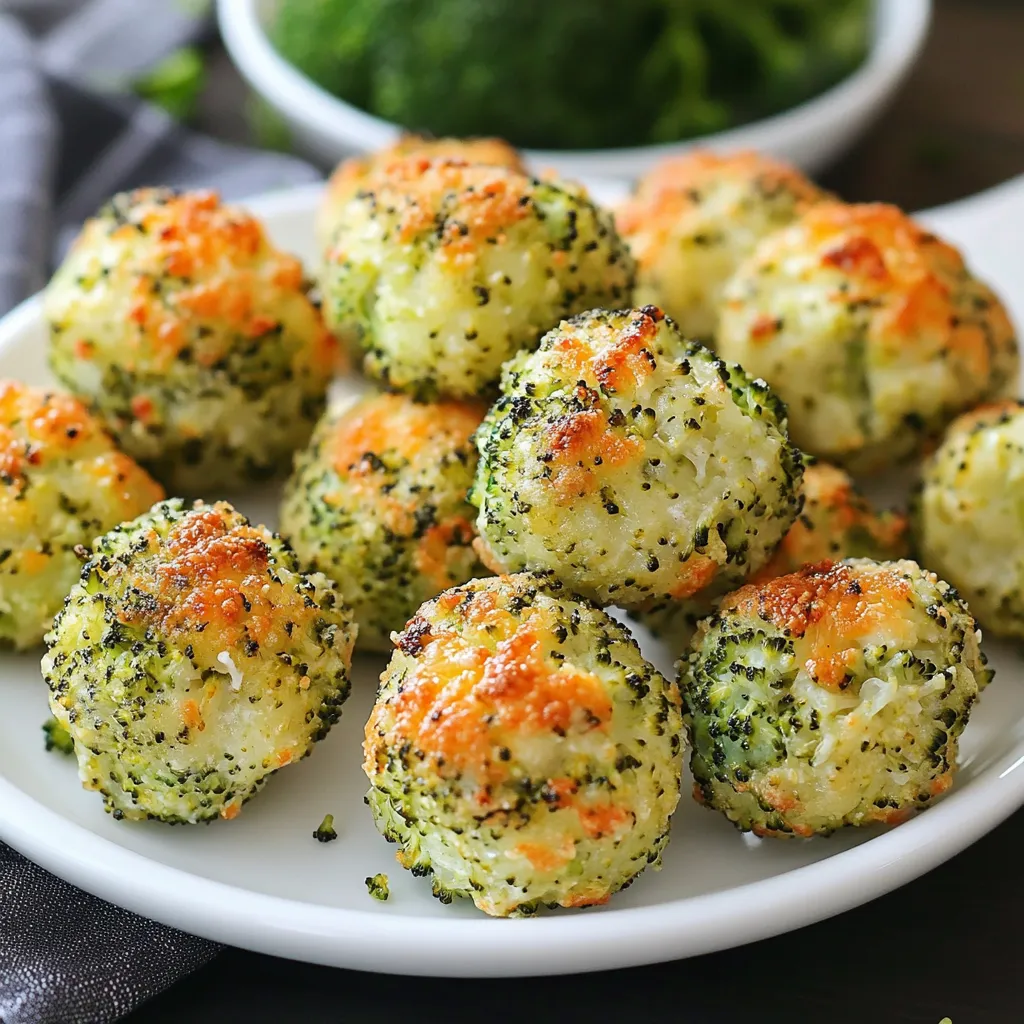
<point>474,203</point>
<point>831,611</point>
<point>463,697</point>
<point>223,272</point>
<point>371,437</point>
<point>674,191</point>
<point>616,359</point>
<point>39,430</point>
<point>986,415</point>
<point>417,432</point>
<point>212,577</point>
<point>890,264</point>
<point>352,175</point>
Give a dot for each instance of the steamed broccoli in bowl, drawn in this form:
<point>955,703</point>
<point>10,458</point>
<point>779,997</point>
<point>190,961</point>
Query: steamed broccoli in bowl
<point>573,74</point>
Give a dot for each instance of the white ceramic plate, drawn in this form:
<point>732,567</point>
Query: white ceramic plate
<point>263,883</point>
<point>810,135</point>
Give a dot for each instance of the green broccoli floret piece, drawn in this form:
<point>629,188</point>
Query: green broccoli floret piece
<point>536,72</point>
<point>377,887</point>
<point>175,83</point>
<point>325,830</point>
<point>57,737</point>
<point>573,73</point>
<point>333,41</point>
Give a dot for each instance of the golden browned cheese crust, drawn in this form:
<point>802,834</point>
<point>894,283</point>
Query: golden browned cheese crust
<point>62,482</point>
<point>440,270</point>
<point>985,415</point>
<point>479,200</point>
<point>211,576</point>
<point>227,268</point>
<point>350,175</point>
<point>827,609</point>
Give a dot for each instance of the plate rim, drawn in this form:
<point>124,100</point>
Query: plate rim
<point>468,947</point>
<point>464,947</point>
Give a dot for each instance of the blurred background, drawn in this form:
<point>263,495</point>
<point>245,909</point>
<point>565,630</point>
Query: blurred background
<point>956,126</point>
<point>576,74</point>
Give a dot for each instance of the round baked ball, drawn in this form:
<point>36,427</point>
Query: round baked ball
<point>966,514</point>
<point>351,175</point>
<point>694,218</point>
<point>872,330</point>
<point>521,750</point>
<point>378,503</point>
<point>632,465</point>
<point>833,696</point>
<point>62,483</point>
<point>192,661</point>
<point>441,270</point>
<point>192,337</point>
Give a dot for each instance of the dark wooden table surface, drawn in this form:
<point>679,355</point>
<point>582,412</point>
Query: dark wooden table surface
<point>949,944</point>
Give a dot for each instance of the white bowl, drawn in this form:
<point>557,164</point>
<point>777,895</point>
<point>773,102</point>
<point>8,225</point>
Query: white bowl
<point>810,135</point>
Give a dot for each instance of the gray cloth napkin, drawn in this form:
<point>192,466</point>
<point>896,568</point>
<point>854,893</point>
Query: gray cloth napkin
<point>68,140</point>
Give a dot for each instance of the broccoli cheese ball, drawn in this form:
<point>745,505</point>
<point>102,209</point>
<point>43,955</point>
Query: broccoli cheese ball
<point>871,330</point>
<point>833,696</point>
<point>191,336</point>
<point>521,750</point>
<point>632,465</point>
<point>441,270</point>
<point>192,660</point>
<point>694,218</point>
<point>378,503</point>
<point>966,514</point>
<point>62,483</point>
<point>351,175</point>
